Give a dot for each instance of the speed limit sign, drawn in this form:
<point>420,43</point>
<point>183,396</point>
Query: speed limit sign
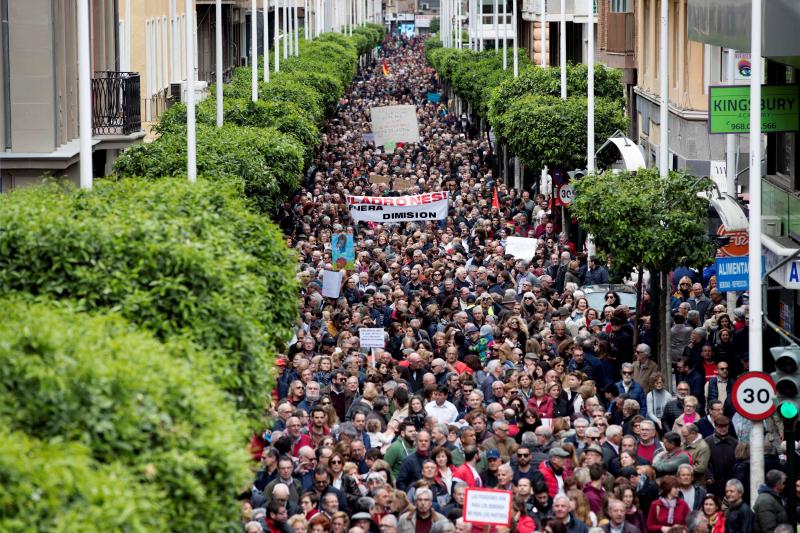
<point>566,194</point>
<point>752,395</point>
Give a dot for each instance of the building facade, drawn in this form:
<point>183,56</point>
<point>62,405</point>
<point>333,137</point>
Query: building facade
<point>726,24</point>
<point>39,91</point>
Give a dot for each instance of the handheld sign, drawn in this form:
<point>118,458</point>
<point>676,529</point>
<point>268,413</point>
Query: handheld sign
<point>487,507</point>
<point>371,337</point>
<point>752,395</point>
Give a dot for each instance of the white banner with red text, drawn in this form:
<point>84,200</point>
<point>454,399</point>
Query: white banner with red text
<point>428,206</point>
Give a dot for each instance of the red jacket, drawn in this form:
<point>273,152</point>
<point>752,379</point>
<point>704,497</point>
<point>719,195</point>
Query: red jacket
<point>549,477</point>
<point>464,473</point>
<point>545,408</point>
<point>657,517</point>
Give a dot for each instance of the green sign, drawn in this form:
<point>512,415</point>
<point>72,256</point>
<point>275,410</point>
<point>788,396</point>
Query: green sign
<point>729,108</point>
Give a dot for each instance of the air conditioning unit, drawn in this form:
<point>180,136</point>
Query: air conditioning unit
<point>200,91</point>
<point>771,225</point>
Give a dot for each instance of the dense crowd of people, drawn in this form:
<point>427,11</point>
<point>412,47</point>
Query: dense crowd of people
<point>496,371</point>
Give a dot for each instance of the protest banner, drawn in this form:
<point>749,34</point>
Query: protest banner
<point>427,206</point>
<point>378,179</point>
<point>521,247</point>
<point>343,252</point>
<point>331,283</point>
<point>487,507</point>
<point>394,124</point>
<point>371,337</point>
<point>403,184</point>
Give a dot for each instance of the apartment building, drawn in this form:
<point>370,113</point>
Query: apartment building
<point>726,24</point>
<point>530,26</point>
<point>39,90</point>
<point>616,47</point>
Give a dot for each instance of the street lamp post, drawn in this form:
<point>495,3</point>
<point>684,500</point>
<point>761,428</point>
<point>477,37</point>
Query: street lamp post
<point>85,94</point>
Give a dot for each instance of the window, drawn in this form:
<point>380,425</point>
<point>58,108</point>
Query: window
<point>619,6</point>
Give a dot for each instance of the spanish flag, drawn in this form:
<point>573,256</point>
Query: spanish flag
<point>385,69</point>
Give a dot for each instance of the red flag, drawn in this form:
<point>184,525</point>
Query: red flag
<point>385,69</point>
<point>495,200</point>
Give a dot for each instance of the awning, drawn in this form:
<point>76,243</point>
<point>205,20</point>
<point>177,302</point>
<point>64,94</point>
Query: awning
<point>775,250</point>
<point>630,152</point>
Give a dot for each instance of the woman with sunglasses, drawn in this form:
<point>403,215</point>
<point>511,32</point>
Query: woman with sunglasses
<point>343,481</point>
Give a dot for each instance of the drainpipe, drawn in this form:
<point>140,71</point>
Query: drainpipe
<point>6,78</point>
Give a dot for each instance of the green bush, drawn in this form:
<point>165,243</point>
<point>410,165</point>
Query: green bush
<point>276,136</point>
<point>546,81</point>
<point>181,260</point>
<point>59,487</point>
<point>72,378</point>
<point>269,162</point>
<point>546,130</point>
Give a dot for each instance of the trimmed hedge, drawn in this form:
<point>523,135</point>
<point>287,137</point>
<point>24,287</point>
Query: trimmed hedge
<point>58,487</point>
<point>283,124</point>
<point>526,112</point>
<point>179,259</point>
<point>131,401</point>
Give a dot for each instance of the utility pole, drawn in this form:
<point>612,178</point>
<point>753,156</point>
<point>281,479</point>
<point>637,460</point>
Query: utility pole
<point>562,48</point>
<point>85,94</point>
<point>218,46</point>
<point>663,72</point>
<point>191,127</point>
<point>590,92</point>
<point>254,50</point>
<point>754,251</point>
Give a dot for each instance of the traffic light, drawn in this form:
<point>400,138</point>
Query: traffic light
<point>576,174</point>
<point>787,380</point>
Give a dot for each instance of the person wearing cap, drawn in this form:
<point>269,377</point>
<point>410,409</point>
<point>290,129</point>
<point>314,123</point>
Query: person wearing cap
<point>493,462</point>
<point>722,449</point>
<point>553,470</point>
<point>362,520</point>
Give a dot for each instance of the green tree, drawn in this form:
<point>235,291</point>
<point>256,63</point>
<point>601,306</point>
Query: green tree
<point>643,220</point>
<point>546,130</point>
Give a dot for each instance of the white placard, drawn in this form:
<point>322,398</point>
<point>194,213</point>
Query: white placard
<point>428,206</point>
<point>394,124</point>
<point>331,283</point>
<point>521,247</point>
<point>489,507</point>
<point>371,337</point>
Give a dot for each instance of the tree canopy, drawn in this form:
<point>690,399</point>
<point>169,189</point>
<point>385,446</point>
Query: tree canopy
<point>643,219</point>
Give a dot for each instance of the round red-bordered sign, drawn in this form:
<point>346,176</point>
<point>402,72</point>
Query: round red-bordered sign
<point>752,395</point>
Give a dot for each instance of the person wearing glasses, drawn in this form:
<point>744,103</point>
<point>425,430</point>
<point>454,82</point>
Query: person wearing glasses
<point>628,387</point>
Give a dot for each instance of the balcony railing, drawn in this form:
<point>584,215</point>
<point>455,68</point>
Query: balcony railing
<point>116,104</point>
<point>621,33</point>
<point>553,7</point>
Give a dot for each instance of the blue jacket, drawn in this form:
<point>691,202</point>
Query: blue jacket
<point>636,392</point>
<point>696,383</point>
<point>713,393</point>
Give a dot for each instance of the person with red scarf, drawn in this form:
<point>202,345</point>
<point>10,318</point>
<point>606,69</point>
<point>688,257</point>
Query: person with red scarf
<point>668,510</point>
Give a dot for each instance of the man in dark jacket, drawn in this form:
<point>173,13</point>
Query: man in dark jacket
<point>411,468</point>
<point>723,456</point>
<point>696,381</point>
<point>739,518</point>
<point>596,274</point>
<point>769,509</point>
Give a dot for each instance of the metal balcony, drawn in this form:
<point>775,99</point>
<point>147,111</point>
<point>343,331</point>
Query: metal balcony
<point>573,9</point>
<point>116,104</point>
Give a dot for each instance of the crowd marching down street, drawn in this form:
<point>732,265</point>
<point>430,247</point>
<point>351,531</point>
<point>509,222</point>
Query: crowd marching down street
<point>496,372</point>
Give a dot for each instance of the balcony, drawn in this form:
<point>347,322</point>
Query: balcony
<point>116,104</point>
<point>575,10</point>
<point>486,30</point>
